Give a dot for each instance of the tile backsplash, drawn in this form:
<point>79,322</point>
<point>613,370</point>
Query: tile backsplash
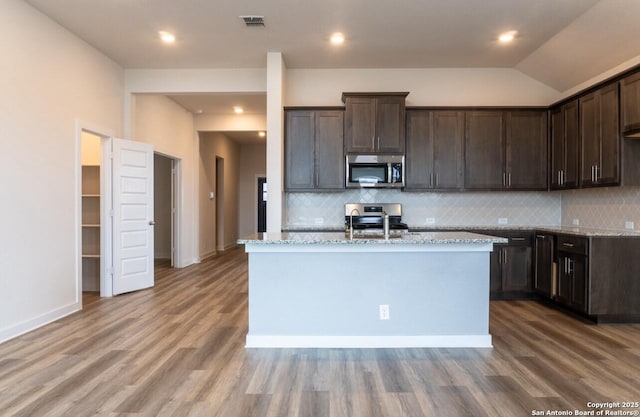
<point>602,208</point>
<point>430,209</point>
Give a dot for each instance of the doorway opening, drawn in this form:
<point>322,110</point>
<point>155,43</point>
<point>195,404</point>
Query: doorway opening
<point>262,204</point>
<point>165,207</point>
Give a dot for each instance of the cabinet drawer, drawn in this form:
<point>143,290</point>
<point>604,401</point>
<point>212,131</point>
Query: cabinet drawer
<point>572,244</point>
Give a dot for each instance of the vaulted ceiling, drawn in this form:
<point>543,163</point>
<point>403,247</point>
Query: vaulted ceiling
<point>561,43</point>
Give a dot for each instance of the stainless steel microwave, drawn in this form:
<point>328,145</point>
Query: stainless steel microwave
<point>379,171</point>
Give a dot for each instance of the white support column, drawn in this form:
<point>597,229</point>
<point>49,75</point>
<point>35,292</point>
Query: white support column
<point>275,140</point>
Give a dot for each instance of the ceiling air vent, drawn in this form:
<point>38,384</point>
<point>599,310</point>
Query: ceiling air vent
<point>253,21</point>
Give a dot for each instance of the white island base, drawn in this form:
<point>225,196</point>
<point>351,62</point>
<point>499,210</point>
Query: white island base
<point>315,291</point>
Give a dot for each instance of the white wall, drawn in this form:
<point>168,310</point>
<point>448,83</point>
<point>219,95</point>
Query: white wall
<point>169,127</point>
<point>49,80</point>
<point>426,87</point>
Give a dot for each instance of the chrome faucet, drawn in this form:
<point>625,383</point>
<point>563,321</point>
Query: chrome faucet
<point>351,222</point>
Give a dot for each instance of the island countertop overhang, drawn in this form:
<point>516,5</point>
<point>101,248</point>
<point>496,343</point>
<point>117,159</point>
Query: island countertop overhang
<point>411,238</point>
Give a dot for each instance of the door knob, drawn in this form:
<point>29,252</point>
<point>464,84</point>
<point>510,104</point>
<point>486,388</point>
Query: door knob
<point>152,222</point>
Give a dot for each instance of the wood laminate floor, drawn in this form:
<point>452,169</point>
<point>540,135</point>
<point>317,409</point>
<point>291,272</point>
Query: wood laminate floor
<point>178,350</point>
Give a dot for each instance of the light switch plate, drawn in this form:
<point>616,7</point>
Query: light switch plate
<point>503,220</point>
<point>318,221</point>
<point>576,222</point>
<point>430,220</point>
<point>629,225</point>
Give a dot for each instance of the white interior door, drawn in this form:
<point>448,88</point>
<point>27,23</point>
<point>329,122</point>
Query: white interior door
<point>132,173</point>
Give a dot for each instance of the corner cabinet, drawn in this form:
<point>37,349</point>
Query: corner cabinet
<point>506,150</point>
<point>374,122</point>
<point>600,138</point>
<point>314,158</point>
<point>91,228</point>
<point>565,151</point>
<point>435,141</point>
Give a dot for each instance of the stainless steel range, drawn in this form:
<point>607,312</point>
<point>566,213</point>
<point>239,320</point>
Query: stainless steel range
<point>369,219</point>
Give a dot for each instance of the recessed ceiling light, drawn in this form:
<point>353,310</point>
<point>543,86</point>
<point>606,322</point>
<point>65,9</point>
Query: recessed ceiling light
<point>198,111</point>
<point>167,37</point>
<point>262,134</point>
<point>238,109</point>
<point>507,37</point>
<point>337,38</point>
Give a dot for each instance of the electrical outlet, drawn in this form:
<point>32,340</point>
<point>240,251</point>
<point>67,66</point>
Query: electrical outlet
<point>629,225</point>
<point>318,221</point>
<point>384,311</point>
<point>430,220</point>
<point>576,222</point>
<point>503,220</point>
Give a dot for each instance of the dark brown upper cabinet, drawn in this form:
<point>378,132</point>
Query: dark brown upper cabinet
<point>314,157</point>
<point>526,150</point>
<point>434,150</point>
<point>374,122</point>
<point>484,150</point>
<point>630,105</point>
<point>565,151</point>
<point>600,138</point>
<point>506,150</point>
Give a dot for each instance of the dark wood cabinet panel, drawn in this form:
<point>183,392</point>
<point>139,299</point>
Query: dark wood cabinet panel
<point>374,123</point>
<point>390,124</point>
<point>565,140</point>
<point>434,149</point>
<point>511,265</point>
<point>573,269</point>
<point>314,157</point>
<point>360,124</point>
<point>329,150</point>
<point>600,138</point>
<point>630,103</point>
<point>484,150</point>
<point>526,150</point>
<point>543,271</point>
<point>299,150</point>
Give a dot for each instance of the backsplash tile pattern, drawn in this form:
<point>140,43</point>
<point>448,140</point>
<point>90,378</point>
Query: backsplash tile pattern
<point>447,209</point>
<point>602,208</point>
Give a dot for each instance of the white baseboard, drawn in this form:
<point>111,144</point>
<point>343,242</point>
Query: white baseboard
<point>454,341</point>
<point>28,325</point>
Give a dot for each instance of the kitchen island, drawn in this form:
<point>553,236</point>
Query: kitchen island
<point>328,290</point>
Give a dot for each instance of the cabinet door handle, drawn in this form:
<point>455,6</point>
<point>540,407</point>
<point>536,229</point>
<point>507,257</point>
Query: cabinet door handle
<point>569,266</point>
<point>505,256</point>
<point>373,142</point>
<point>431,179</point>
<point>569,245</point>
<point>317,182</point>
<point>540,236</point>
<point>559,177</point>
<point>597,176</point>
<point>436,182</point>
<point>378,146</point>
<point>518,238</point>
<point>504,179</point>
<point>509,180</point>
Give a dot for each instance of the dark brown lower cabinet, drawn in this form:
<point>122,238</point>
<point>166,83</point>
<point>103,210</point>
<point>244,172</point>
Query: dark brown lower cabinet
<point>511,265</point>
<point>572,281</point>
<point>543,265</point>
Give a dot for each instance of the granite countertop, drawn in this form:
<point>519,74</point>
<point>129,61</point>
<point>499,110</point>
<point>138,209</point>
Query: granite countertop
<point>577,231</point>
<point>449,237</point>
